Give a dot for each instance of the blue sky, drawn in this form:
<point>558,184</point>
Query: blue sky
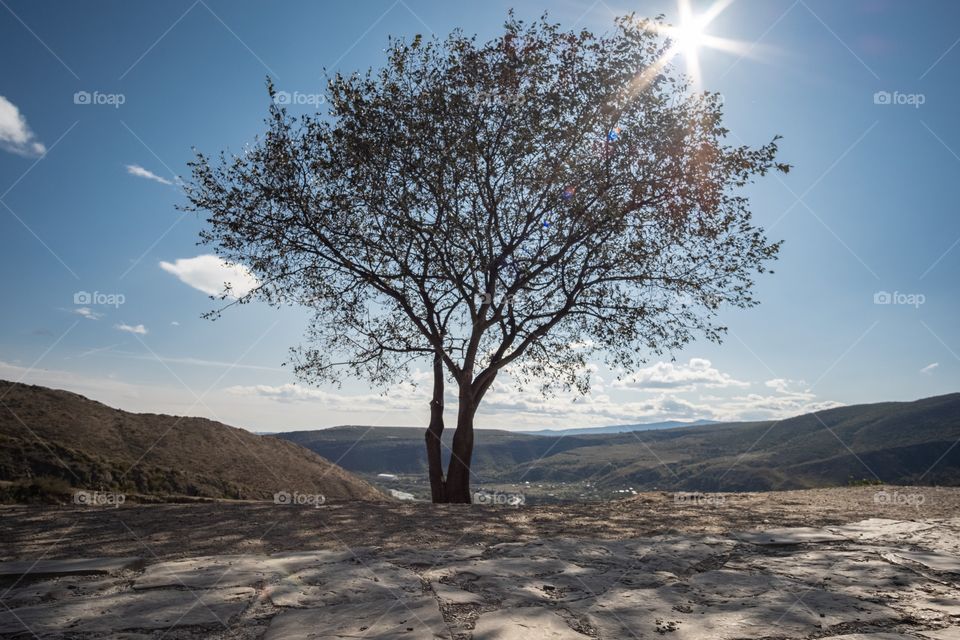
<point>103,103</point>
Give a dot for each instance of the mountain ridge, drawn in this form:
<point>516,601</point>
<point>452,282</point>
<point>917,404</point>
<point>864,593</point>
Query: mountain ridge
<point>902,442</point>
<point>64,436</point>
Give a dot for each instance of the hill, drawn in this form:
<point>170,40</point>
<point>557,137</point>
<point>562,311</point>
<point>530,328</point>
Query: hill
<point>58,436</point>
<point>891,442</point>
<point>620,428</point>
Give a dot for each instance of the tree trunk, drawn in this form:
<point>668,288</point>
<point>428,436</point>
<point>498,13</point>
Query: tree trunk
<point>434,432</point>
<point>458,474</point>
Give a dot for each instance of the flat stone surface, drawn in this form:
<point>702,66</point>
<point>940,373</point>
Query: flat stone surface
<point>949,633</point>
<point>897,575</point>
<point>933,560</point>
<point>224,571</point>
<point>691,614</point>
<point>35,569</point>
<point>528,623</point>
<point>347,582</point>
<point>872,636</point>
<point>130,610</point>
<point>414,619</point>
<point>879,528</point>
<point>453,595</point>
<point>797,535</point>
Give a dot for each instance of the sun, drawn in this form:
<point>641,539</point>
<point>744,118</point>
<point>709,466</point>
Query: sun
<point>689,37</point>
<point>690,34</point>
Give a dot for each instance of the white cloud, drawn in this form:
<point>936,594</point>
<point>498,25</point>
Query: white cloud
<point>140,172</point>
<point>175,323</point>
<point>679,377</point>
<point>930,368</point>
<point>15,135</point>
<point>784,385</point>
<point>88,313</point>
<point>209,273</point>
<point>331,401</point>
<point>136,329</point>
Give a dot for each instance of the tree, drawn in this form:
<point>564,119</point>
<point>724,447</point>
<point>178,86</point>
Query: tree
<point>529,202</point>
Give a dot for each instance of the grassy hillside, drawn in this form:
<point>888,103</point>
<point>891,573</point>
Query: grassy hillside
<point>401,449</point>
<point>893,442</point>
<point>48,434</point>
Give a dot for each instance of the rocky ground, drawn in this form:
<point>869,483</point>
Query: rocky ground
<point>858,563</point>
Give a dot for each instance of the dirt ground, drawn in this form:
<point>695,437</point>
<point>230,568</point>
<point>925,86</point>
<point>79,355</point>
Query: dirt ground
<point>166,531</point>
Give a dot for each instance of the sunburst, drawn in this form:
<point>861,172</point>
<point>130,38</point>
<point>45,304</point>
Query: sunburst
<point>690,36</point>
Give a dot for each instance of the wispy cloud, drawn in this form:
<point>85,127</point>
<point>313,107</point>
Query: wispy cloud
<point>930,368</point>
<point>212,275</point>
<point>87,312</point>
<point>138,329</point>
<point>140,172</point>
<point>15,134</point>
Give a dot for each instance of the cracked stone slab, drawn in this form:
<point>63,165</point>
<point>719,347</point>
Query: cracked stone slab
<point>950,633</point>
<point>872,636</point>
<point>207,572</point>
<point>430,558</point>
<point>676,555</point>
<point>877,528</point>
<point>506,567</point>
<point>854,572</point>
<point>29,592</point>
<point>528,623</point>
<point>78,566</point>
<point>943,562</point>
<point>416,619</point>
<point>516,581</point>
<point>130,610</point>
<point>793,535</point>
<point>580,551</point>
<point>336,583</point>
<point>709,609</point>
<point>452,595</point>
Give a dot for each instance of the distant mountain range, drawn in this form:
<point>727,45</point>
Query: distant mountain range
<point>49,435</point>
<point>891,442</point>
<point>620,428</point>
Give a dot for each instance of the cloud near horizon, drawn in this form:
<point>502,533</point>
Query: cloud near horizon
<point>15,135</point>
<point>507,403</point>
<point>291,406</point>
<point>212,274</point>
